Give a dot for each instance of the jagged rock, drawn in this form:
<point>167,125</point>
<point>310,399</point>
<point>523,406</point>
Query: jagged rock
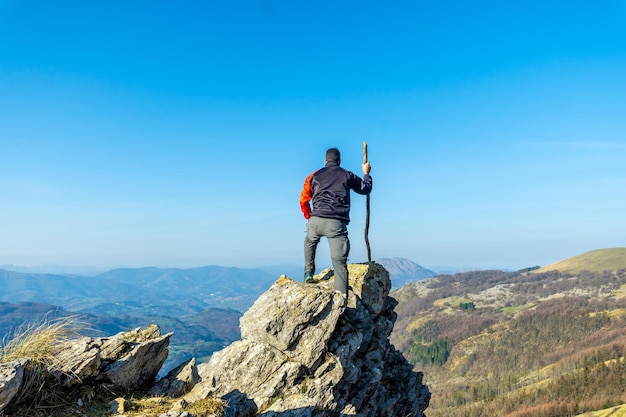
<point>11,379</point>
<point>132,360</point>
<point>294,319</point>
<point>76,361</point>
<point>304,352</point>
<point>238,405</point>
<point>128,360</point>
<point>178,381</point>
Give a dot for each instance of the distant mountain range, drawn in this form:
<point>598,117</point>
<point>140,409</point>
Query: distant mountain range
<point>175,291</point>
<point>201,306</point>
<point>140,291</point>
<point>56,269</point>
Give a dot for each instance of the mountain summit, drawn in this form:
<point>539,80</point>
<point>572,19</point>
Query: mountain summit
<point>306,352</point>
<point>402,271</point>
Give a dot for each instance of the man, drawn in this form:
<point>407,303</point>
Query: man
<point>329,190</point>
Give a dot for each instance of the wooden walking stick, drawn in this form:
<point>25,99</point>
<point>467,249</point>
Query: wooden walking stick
<point>367,212</point>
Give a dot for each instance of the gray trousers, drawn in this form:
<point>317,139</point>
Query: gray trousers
<point>337,234</point>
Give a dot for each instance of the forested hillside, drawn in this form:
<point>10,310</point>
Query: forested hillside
<point>517,344</point>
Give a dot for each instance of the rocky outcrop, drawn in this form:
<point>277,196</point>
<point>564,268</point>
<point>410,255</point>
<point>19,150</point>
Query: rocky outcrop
<point>127,361</point>
<point>305,351</point>
<point>132,360</point>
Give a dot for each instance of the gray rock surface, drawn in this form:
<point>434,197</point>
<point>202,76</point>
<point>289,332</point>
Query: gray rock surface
<point>128,360</point>
<point>132,360</point>
<point>76,361</point>
<point>11,380</point>
<point>178,381</point>
<point>305,352</point>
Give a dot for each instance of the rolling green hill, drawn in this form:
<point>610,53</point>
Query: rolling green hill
<point>599,260</point>
<point>519,344</point>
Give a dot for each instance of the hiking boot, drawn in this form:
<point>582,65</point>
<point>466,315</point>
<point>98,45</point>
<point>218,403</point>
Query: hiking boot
<point>308,278</point>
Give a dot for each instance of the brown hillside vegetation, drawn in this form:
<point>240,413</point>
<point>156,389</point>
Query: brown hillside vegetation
<point>599,260</point>
<point>517,344</point>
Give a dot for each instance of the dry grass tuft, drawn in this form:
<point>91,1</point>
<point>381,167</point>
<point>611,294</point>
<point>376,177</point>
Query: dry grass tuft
<point>156,406</point>
<point>38,342</point>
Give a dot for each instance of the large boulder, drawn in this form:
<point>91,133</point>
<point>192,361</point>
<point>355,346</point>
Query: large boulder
<point>76,361</point>
<point>132,360</point>
<point>305,351</point>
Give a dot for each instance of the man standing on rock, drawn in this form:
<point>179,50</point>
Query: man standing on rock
<point>329,190</point>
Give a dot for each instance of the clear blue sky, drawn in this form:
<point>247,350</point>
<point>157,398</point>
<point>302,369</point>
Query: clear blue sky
<point>142,133</point>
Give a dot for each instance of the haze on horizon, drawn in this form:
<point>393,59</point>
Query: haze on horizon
<point>156,134</point>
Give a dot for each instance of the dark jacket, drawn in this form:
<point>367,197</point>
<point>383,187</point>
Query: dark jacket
<point>329,190</point>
